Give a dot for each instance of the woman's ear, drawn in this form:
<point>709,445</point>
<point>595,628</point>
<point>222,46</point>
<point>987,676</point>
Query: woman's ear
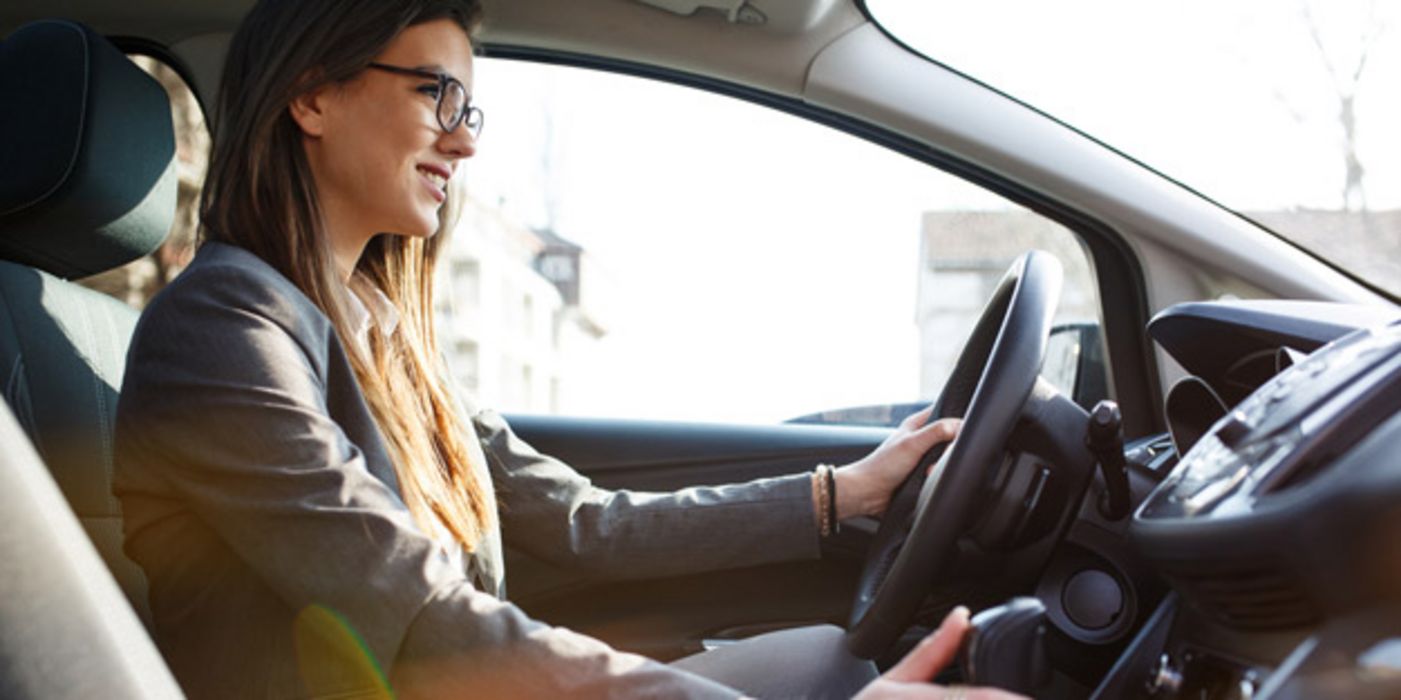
<point>309,111</point>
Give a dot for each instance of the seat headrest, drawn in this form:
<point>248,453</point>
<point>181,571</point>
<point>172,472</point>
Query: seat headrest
<point>89,177</point>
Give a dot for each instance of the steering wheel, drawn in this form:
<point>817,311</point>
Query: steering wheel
<point>915,544</point>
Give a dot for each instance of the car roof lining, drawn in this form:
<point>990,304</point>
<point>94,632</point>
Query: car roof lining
<point>773,55</point>
<point>774,59</point>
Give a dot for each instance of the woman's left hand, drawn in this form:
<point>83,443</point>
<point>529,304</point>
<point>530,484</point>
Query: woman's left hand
<point>866,486</point>
<point>912,678</point>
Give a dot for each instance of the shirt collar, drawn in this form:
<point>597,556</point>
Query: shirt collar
<point>370,308</point>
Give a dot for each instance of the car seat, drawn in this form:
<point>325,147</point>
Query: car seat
<point>64,629</point>
<point>88,183</point>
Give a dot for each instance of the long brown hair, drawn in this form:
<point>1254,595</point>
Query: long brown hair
<point>260,196</point>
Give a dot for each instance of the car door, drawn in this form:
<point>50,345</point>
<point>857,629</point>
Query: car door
<point>672,617</point>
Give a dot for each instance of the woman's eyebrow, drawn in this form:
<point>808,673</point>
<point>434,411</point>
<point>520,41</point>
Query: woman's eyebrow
<point>440,70</point>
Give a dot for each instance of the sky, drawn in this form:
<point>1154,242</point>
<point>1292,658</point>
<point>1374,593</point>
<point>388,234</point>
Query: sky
<point>762,267</point>
<point>1233,97</point>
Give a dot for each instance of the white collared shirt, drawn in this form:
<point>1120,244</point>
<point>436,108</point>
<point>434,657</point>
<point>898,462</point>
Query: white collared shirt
<point>370,308</point>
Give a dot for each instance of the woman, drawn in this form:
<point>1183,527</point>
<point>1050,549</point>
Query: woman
<point>314,513</point>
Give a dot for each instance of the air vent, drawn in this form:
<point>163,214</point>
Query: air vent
<point>1254,596</point>
<point>1248,374</point>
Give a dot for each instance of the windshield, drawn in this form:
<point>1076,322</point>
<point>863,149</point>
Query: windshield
<point>1288,112</point>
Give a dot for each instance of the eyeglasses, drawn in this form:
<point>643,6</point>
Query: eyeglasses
<point>454,108</point>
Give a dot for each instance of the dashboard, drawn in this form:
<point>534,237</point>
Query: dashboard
<point>1278,531</point>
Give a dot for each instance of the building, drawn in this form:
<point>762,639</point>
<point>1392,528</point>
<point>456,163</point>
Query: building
<point>963,255</point>
<point>515,306</point>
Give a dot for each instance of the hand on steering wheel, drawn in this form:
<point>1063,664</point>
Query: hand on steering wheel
<point>866,486</point>
<point>915,544</point>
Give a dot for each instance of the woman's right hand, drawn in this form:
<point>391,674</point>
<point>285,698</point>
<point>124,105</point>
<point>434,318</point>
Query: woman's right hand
<point>911,677</point>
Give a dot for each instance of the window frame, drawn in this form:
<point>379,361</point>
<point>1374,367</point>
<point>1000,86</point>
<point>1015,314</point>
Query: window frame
<point>1118,272</point>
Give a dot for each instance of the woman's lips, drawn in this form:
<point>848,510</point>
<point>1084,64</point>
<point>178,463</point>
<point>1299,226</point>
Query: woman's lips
<point>435,182</point>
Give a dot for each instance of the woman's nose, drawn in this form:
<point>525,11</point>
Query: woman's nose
<point>458,143</point>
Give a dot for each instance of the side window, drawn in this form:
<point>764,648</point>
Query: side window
<point>637,249</point>
<point>136,282</point>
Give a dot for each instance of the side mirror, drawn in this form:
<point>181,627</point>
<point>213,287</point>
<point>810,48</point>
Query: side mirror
<point>1075,363</point>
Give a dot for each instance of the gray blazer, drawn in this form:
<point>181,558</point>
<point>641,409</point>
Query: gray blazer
<point>260,501</point>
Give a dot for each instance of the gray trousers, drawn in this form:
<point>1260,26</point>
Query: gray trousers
<point>806,662</point>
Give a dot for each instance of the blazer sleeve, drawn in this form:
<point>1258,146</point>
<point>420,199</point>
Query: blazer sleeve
<point>227,411</point>
<point>554,513</point>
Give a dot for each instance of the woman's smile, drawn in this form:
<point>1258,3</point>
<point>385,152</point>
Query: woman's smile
<point>436,178</point>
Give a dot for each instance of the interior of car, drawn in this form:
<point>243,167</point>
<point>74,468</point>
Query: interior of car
<point>1192,495</point>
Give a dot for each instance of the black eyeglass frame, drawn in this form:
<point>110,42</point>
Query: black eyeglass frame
<point>470,114</point>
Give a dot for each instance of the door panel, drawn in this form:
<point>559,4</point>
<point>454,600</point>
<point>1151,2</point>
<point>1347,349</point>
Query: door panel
<point>657,455</point>
<point>668,618</point>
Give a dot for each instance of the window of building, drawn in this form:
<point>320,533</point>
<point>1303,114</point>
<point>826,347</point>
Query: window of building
<point>466,284</point>
<point>466,364</point>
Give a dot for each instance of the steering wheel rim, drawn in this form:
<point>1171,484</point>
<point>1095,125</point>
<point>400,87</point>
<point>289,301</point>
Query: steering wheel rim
<point>991,381</point>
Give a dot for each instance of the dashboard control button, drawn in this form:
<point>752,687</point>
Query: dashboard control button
<point>1093,599</point>
<point>1233,429</point>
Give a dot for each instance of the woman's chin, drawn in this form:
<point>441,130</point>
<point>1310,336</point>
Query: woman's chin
<point>425,228</point>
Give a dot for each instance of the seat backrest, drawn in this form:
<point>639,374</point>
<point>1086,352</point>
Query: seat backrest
<point>66,633</point>
<point>88,183</point>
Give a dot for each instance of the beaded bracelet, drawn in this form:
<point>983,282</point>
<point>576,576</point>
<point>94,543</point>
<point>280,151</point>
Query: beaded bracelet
<point>832,499</point>
<point>827,499</point>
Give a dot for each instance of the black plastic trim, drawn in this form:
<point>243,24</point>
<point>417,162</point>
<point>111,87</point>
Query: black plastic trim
<point>1121,281</point>
<point>1209,338</point>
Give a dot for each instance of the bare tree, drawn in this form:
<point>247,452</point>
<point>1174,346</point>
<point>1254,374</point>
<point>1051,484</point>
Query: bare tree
<point>1345,84</point>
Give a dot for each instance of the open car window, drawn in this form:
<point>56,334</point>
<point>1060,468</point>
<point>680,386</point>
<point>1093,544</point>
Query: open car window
<point>637,249</point>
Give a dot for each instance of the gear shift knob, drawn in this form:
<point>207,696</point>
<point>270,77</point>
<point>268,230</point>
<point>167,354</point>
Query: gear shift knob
<point>1006,647</point>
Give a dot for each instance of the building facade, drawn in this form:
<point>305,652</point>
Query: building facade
<point>512,306</point>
